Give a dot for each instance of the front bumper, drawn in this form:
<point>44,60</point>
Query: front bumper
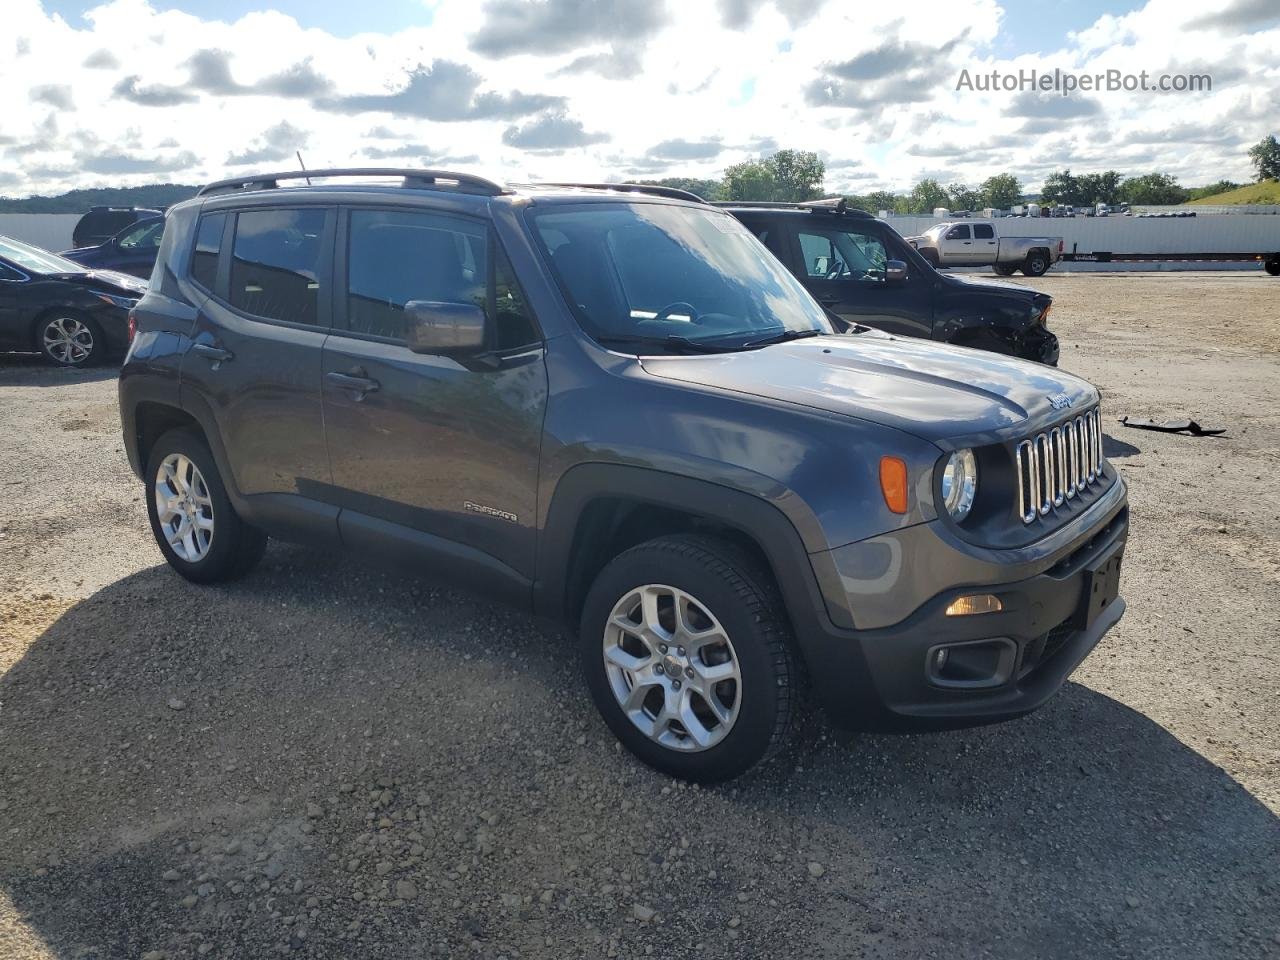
<point>885,679</point>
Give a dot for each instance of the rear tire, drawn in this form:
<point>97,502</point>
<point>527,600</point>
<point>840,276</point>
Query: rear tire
<point>1036,264</point>
<point>704,696</point>
<point>195,526</point>
<point>69,338</point>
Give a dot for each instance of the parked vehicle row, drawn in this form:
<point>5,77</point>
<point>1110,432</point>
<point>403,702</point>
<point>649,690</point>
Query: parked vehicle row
<point>614,407</point>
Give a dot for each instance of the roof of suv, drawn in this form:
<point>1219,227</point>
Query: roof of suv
<point>432,181</point>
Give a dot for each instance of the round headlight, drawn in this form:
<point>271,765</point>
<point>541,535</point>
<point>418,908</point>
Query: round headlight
<point>960,484</point>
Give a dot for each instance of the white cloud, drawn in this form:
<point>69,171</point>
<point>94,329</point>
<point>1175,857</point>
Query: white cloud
<point>677,87</point>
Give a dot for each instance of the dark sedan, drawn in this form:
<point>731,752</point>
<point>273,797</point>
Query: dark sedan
<point>132,250</point>
<point>73,315</point>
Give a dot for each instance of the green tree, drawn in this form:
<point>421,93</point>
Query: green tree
<point>1061,187</point>
<point>788,175</point>
<point>924,197</point>
<point>706,189</point>
<point>960,197</point>
<point>1153,189</point>
<point>878,200</point>
<point>1095,188</point>
<point>798,174</point>
<point>1001,191</point>
<point>1265,155</point>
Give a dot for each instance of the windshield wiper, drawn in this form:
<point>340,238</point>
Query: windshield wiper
<point>672,342</point>
<point>782,337</point>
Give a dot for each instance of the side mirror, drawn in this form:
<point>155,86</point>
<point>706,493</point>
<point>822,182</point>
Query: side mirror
<point>895,271</point>
<point>444,328</point>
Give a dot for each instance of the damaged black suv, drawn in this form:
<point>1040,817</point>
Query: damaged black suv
<point>861,270</point>
<point>612,406</point>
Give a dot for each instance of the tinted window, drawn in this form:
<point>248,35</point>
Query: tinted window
<point>145,237</point>
<point>8,273</point>
<point>394,257</point>
<point>204,260</point>
<point>983,231</point>
<point>275,264</point>
<point>958,233</point>
<point>844,254</point>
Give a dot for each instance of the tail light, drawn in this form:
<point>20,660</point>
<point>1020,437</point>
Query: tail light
<point>133,324</point>
<point>1060,245</point>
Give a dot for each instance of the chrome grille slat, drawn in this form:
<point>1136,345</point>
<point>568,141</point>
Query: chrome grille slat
<point>1058,465</point>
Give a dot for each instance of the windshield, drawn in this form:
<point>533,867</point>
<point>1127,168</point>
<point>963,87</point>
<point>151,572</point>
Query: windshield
<point>672,275</point>
<point>33,258</point>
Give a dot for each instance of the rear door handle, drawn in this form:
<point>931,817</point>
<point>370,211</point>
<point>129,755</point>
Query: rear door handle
<point>355,382</point>
<point>215,355</point>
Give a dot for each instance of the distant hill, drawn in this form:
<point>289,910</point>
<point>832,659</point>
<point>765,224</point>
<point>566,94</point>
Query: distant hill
<point>157,196</point>
<point>1267,191</point>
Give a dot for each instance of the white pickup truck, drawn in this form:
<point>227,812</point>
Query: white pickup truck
<point>975,243</point>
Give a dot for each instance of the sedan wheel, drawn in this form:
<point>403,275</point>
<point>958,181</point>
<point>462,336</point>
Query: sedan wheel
<point>184,507</point>
<point>672,668</point>
<point>68,341</point>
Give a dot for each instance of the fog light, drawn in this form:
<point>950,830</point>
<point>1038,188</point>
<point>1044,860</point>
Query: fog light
<point>974,603</point>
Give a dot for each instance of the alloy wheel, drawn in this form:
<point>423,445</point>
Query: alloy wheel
<point>184,507</point>
<point>672,668</point>
<point>68,340</point>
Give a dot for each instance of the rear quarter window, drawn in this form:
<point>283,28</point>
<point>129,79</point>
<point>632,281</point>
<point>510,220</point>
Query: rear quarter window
<point>204,258</point>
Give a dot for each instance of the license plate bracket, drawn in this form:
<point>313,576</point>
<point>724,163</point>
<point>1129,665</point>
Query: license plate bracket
<point>1100,588</point>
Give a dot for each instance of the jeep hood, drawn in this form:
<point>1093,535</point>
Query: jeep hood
<point>934,391</point>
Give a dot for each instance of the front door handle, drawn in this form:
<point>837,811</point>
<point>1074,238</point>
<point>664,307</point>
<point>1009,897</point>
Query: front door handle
<point>355,382</point>
<point>215,355</point>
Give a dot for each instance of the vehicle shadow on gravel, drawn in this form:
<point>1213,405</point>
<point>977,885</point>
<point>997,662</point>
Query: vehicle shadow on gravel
<point>334,761</point>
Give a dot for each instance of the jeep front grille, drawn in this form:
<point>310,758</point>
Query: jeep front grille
<point>1058,465</point>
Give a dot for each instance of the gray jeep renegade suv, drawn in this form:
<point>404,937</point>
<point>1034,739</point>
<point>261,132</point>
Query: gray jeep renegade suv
<point>613,406</point>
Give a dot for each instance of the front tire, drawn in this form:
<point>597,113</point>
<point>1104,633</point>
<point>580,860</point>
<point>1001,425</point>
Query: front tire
<point>687,653</point>
<point>1005,269</point>
<point>1272,267</point>
<point>195,526</point>
<point>1036,264</point>
<point>70,339</point>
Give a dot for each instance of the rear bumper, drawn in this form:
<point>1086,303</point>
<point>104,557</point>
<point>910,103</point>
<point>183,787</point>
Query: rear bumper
<point>886,679</point>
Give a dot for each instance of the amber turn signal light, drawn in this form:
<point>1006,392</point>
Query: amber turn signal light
<point>974,604</point>
<point>893,483</point>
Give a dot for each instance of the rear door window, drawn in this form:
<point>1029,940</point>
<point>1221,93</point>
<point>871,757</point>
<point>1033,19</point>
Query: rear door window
<point>276,263</point>
<point>983,231</point>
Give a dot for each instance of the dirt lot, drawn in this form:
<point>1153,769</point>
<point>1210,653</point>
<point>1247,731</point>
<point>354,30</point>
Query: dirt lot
<point>334,761</point>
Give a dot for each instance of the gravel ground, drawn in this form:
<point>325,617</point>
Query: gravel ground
<point>334,761</point>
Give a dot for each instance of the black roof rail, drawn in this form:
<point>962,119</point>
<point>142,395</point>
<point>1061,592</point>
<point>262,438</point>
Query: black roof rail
<point>420,179</point>
<point>650,188</point>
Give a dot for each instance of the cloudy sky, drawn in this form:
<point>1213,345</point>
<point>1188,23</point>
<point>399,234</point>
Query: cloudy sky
<point>132,92</point>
